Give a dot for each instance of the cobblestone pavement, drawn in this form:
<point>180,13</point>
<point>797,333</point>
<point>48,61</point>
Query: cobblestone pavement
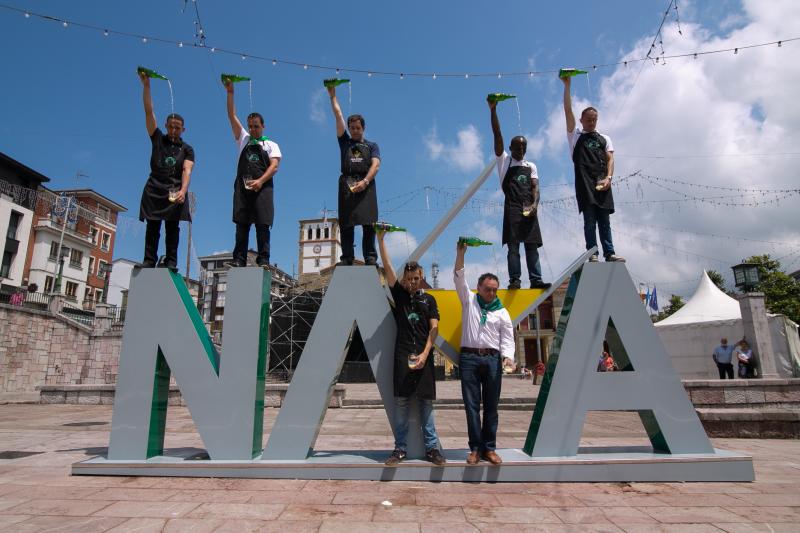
<point>38,494</point>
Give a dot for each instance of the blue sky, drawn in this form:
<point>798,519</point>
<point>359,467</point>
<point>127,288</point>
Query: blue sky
<point>71,102</point>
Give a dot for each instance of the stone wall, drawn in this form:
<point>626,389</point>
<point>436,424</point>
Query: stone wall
<point>41,348</point>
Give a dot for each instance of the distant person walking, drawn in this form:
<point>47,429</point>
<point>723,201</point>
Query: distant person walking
<point>722,357</point>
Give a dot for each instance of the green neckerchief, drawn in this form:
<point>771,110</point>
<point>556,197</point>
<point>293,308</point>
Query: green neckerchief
<point>494,305</point>
<point>254,140</point>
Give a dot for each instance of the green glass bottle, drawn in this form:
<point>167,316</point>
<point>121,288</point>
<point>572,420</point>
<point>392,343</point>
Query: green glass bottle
<point>473,241</point>
<point>570,72</point>
<point>232,78</point>
<point>388,228</point>
<point>151,73</point>
<point>499,97</point>
<point>334,82</point>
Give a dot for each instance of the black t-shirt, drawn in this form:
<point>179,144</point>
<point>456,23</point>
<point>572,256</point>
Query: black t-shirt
<point>357,165</point>
<point>412,313</point>
<point>167,157</point>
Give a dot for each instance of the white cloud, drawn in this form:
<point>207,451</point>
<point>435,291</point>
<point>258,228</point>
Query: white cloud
<point>465,154</point>
<point>317,112</point>
<point>400,244</point>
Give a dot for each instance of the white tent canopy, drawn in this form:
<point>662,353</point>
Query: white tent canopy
<point>707,304</point>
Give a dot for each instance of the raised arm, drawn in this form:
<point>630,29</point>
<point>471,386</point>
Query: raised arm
<point>498,135</point>
<point>236,126</point>
<point>337,112</point>
<point>459,279</point>
<point>391,277</point>
<point>568,105</point>
<point>149,114</point>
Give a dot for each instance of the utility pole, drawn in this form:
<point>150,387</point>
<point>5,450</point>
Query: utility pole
<point>59,259</point>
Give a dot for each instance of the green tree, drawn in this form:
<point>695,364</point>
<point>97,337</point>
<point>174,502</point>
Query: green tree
<point>675,303</point>
<point>718,280</point>
<point>781,291</point>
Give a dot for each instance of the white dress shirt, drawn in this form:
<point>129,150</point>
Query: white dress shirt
<point>497,333</point>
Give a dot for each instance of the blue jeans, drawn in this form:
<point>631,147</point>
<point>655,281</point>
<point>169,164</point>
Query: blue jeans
<point>425,418</point>
<point>481,376</point>
<point>531,260</point>
<point>594,216</point>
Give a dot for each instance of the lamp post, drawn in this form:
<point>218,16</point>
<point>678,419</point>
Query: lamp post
<point>105,269</point>
<point>754,318</point>
<point>746,276</point>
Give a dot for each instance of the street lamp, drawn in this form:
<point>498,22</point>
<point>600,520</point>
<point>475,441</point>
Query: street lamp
<point>746,276</point>
<point>105,270</point>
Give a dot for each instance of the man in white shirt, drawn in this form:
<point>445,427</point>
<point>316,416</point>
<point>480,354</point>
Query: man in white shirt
<point>593,157</point>
<point>520,183</point>
<point>258,162</point>
<point>487,343</point>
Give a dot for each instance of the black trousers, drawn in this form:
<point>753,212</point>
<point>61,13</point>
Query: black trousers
<point>367,242</point>
<point>725,369</point>
<point>152,235</point>
<point>243,239</point>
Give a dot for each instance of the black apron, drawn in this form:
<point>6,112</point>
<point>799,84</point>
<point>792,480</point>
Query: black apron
<point>412,316</point>
<point>359,208</point>
<point>518,192</point>
<point>253,207</point>
<point>166,172</point>
<point>591,166</point>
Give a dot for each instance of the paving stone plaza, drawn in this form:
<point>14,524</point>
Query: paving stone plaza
<point>38,443</point>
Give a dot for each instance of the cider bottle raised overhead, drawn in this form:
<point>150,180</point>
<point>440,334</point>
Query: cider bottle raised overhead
<point>150,73</point>
<point>334,82</point>
<point>473,241</point>
<point>232,78</point>
<point>385,226</point>
<point>499,97</point>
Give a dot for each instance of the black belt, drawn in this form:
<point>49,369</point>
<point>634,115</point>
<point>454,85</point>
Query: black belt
<point>480,351</point>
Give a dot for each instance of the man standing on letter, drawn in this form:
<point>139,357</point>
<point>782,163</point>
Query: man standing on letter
<point>164,194</point>
<point>358,197</point>
<point>520,183</point>
<point>487,342</point>
<point>259,158</point>
<point>593,157</point>
<point>417,317</point>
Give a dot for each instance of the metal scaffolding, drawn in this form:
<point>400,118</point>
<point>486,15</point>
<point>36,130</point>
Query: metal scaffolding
<point>291,317</point>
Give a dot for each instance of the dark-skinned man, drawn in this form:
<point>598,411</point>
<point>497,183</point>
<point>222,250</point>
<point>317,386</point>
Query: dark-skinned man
<point>417,317</point>
<point>358,197</point>
<point>593,158</point>
<point>520,183</point>
<point>487,345</point>
<point>253,188</point>
<point>164,194</point>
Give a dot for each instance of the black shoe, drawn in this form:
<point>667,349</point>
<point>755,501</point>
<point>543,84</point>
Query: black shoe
<point>434,456</point>
<point>236,263</point>
<point>397,456</point>
<point>614,259</point>
<point>171,265</point>
<point>540,285</point>
<point>594,258</point>
<point>514,284</point>
<point>345,262</point>
<point>148,264</point>
<point>262,264</point>
<point>371,261</point>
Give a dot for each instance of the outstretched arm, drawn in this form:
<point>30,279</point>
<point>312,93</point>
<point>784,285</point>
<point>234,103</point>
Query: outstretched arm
<point>391,276</point>
<point>149,114</point>
<point>568,105</point>
<point>337,112</point>
<point>498,135</point>
<point>236,126</point>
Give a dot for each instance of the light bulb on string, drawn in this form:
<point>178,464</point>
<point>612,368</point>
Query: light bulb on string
<point>244,57</point>
<point>65,24</point>
<point>144,40</point>
<point>369,74</point>
<point>213,49</point>
<point>530,74</point>
<point>338,71</point>
<point>180,44</point>
<point>779,44</point>
<point>735,51</point>
<point>305,67</point>
<point>466,76</point>
<point>105,33</point>
<point>28,15</point>
<point>274,62</point>
<point>402,76</point>
<point>499,76</point>
<point>434,75</point>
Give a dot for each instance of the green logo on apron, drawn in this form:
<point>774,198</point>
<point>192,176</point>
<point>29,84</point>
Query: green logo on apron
<point>522,178</point>
<point>170,161</point>
<point>592,144</point>
<point>253,158</point>
<point>414,317</point>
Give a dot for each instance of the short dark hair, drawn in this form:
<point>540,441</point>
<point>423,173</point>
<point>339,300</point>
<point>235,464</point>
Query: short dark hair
<point>519,138</point>
<point>486,276</point>
<point>256,115</point>
<point>176,117</point>
<point>590,108</point>
<point>356,118</point>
